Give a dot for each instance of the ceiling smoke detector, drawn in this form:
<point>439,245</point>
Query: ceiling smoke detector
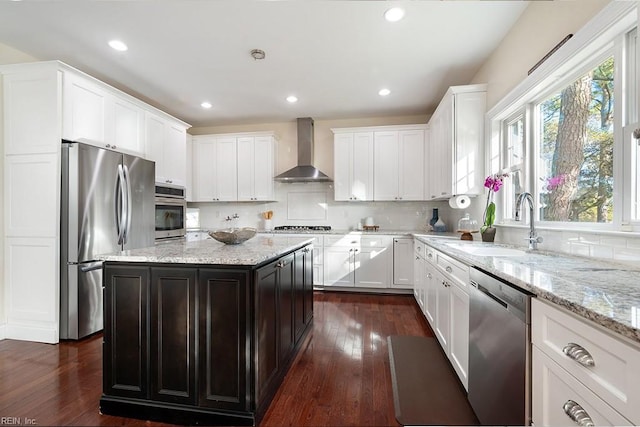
<point>258,54</point>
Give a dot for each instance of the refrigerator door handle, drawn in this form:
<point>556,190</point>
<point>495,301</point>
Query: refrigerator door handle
<point>120,205</point>
<point>127,226</point>
<point>91,267</point>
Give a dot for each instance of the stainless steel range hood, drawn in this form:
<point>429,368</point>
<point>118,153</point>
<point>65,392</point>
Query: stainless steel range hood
<point>305,171</point>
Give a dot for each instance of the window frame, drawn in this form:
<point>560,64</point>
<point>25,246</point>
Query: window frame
<point>606,35</point>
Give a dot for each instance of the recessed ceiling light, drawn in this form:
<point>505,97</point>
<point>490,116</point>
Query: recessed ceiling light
<point>258,54</point>
<point>384,92</point>
<point>206,104</point>
<point>394,14</point>
<point>291,99</point>
<point>118,45</point>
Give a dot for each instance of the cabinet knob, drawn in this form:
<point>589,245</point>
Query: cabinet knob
<point>429,276</point>
<point>108,145</point>
<point>579,354</point>
<point>577,414</point>
<point>114,147</point>
<point>449,269</point>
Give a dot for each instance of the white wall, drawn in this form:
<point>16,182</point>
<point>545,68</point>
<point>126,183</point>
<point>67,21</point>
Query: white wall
<point>541,26</point>
<point>8,55</point>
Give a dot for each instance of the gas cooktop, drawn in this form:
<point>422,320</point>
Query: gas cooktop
<point>303,228</point>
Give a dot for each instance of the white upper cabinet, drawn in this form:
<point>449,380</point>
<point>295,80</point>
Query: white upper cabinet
<point>255,168</point>
<point>353,166</point>
<point>215,173</point>
<point>166,144</point>
<point>399,165</point>
<point>456,159</point>
<point>100,115</point>
<point>127,125</point>
<point>386,174</point>
<point>379,163</point>
<point>84,109</point>
<point>233,167</point>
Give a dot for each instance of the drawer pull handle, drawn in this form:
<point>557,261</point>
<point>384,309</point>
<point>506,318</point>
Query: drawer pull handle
<point>577,414</point>
<point>579,354</point>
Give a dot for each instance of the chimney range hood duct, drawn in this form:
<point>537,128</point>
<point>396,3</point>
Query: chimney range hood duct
<point>304,172</point>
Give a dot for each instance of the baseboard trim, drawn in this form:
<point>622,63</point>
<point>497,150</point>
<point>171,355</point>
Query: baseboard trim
<point>3,331</point>
<point>31,333</point>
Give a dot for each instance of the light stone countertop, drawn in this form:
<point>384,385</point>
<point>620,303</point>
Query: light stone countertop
<point>253,252</point>
<point>605,292</point>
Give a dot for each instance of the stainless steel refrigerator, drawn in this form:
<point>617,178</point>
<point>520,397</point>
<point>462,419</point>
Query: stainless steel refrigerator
<point>107,205</point>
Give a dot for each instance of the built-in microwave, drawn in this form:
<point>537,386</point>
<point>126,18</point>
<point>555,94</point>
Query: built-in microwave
<point>171,211</point>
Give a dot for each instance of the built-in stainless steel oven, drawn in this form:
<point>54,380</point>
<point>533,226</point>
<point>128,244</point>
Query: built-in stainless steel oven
<point>171,211</point>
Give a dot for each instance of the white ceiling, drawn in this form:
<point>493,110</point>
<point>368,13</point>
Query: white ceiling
<point>333,55</point>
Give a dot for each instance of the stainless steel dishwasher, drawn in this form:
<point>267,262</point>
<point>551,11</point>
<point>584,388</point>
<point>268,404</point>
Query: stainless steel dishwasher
<point>499,351</point>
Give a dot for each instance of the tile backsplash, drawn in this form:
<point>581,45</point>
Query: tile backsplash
<point>313,204</point>
<point>615,246</point>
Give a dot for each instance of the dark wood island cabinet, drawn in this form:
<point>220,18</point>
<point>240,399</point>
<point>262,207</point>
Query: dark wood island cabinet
<point>200,343</point>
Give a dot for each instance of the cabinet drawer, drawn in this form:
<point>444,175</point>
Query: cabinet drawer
<point>378,241</point>
<point>456,270</point>
<point>555,390</point>
<point>419,248</point>
<point>342,240</point>
<point>615,374</point>
<point>375,241</point>
<point>430,254</point>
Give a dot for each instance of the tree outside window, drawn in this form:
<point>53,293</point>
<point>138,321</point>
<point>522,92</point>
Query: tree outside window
<point>575,168</point>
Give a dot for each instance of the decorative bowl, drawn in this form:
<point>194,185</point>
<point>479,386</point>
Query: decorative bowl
<point>233,236</point>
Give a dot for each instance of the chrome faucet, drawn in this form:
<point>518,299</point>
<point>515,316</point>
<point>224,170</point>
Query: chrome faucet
<point>533,238</point>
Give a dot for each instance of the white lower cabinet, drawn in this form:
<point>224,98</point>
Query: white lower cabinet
<point>445,304</point>
<point>430,293</point>
<point>354,260</point>
<point>576,361</point>
<point>403,262</point>
<point>419,274</point>
<point>459,329</point>
<point>441,326</point>
<point>560,400</point>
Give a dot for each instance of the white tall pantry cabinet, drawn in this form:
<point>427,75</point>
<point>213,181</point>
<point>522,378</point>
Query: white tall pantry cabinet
<point>44,103</point>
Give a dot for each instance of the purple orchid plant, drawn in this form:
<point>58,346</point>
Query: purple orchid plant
<point>494,184</point>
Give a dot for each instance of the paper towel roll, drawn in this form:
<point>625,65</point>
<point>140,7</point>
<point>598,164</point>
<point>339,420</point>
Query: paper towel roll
<point>460,202</point>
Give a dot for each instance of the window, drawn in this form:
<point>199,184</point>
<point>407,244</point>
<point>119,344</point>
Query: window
<point>564,134</point>
<point>575,142</point>
<point>514,149</point>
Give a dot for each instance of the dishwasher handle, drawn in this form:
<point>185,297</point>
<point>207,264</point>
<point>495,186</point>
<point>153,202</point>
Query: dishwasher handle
<point>511,308</point>
<point>490,295</point>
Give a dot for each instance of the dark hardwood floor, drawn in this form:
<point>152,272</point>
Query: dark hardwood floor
<point>340,376</point>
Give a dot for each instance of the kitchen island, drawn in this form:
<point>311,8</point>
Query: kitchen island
<point>201,332</point>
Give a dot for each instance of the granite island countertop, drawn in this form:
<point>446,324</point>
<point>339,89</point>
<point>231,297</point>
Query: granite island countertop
<point>605,292</point>
<point>253,252</point>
